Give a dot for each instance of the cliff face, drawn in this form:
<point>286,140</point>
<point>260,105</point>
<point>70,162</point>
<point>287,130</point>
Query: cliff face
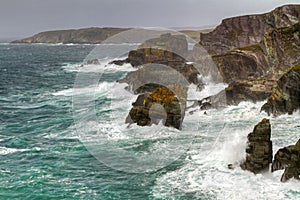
<point>262,49</point>
<point>80,36</point>
<point>242,31</point>
<point>285,97</point>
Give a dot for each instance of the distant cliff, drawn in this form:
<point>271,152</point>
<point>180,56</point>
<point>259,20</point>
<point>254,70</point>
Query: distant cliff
<point>79,36</point>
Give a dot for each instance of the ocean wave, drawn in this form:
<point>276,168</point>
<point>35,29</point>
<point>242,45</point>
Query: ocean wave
<point>5,150</point>
<point>205,170</point>
<point>103,67</point>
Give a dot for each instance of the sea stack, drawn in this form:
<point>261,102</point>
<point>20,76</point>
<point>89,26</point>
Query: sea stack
<point>259,150</point>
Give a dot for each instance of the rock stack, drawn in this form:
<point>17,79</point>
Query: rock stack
<point>159,105</point>
<point>259,150</point>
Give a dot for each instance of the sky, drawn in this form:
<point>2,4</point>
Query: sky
<point>22,18</point>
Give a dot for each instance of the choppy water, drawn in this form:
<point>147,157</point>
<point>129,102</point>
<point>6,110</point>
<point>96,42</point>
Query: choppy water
<point>42,157</point>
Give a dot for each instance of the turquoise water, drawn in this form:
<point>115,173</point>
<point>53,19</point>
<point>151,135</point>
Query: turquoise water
<point>42,157</point>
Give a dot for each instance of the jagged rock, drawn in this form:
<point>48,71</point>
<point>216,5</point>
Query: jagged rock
<point>162,104</point>
<point>288,158</point>
<point>285,98</point>
<point>259,150</point>
<point>247,30</point>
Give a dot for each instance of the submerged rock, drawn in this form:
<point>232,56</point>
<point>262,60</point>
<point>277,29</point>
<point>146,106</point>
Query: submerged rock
<point>259,150</point>
<point>288,158</point>
<point>285,98</point>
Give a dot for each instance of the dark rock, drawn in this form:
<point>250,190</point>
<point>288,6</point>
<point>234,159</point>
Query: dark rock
<point>247,30</point>
<point>253,91</point>
<point>119,62</point>
<point>160,105</point>
<point>288,158</point>
<point>259,150</point>
<point>285,98</point>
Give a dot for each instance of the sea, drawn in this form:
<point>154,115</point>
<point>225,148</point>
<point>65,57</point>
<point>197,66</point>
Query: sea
<point>49,151</point>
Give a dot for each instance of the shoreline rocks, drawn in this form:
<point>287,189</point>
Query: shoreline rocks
<point>288,158</point>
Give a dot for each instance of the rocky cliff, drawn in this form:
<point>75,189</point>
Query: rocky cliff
<point>252,66</point>
<point>247,30</point>
<point>80,36</point>
<point>285,98</point>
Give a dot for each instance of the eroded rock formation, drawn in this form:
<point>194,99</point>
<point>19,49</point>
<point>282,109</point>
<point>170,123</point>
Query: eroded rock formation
<point>160,105</point>
<point>259,150</point>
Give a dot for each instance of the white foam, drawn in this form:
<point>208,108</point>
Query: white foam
<point>205,171</point>
<point>210,88</point>
<point>5,150</point>
<point>103,67</point>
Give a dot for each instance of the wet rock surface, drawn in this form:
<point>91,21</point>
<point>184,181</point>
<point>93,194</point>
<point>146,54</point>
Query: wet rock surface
<point>259,150</point>
<point>160,105</point>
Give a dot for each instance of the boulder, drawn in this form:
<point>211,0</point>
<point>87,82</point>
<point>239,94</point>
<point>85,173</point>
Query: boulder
<point>285,98</point>
<point>288,158</point>
<point>259,150</point>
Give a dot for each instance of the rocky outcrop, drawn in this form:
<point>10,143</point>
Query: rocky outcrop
<point>161,105</point>
<point>285,98</point>
<point>259,150</point>
<point>252,90</point>
<point>168,50</point>
<point>288,158</point>
<point>80,36</point>
<point>161,81</point>
<point>247,30</point>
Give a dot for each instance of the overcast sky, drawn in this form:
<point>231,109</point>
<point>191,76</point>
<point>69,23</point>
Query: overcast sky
<point>19,18</point>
